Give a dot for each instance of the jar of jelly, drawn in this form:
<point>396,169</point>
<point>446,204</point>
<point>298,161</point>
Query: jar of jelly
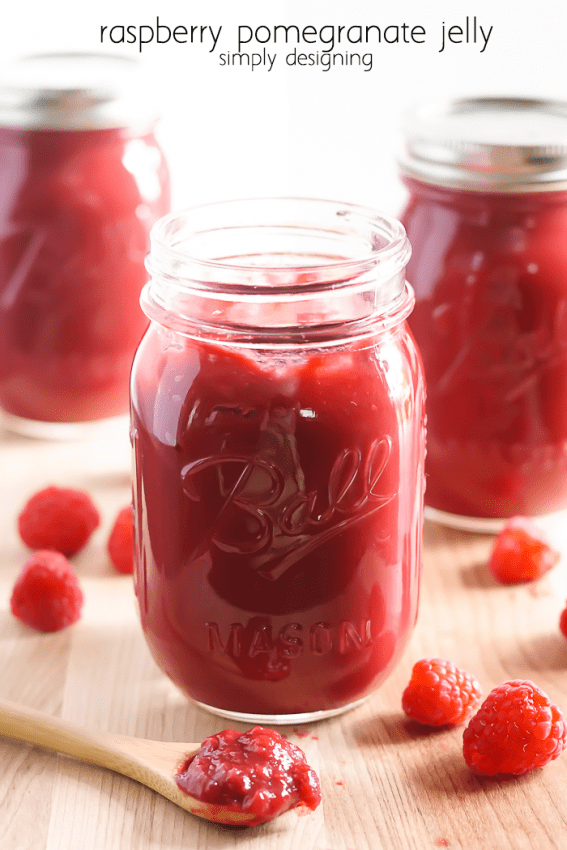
<point>487,220</point>
<point>82,180</point>
<point>278,433</point>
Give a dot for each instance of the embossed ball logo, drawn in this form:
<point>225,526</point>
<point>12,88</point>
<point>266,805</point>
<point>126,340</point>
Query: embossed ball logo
<point>259,507</point>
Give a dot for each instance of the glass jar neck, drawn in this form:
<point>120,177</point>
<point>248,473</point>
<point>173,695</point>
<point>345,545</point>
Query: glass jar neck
<point>468,199</point>
<point>277,271</point>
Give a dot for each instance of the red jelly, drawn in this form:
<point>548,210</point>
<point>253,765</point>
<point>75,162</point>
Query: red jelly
<point>487,220</point>
<point>256,772</point>
<point>277,421</point>
<point>82,179</point>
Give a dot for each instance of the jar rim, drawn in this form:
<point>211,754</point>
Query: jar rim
<point>378,240</point>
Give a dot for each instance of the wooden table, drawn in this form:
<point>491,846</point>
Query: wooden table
<point>386,782</point>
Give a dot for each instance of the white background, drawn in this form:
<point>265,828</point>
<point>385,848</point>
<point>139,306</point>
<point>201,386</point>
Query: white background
<point>232,133</point>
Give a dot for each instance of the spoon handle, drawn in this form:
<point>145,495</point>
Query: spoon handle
<point>153,763</point>
<point>34,727</point>
<point>121,753</point>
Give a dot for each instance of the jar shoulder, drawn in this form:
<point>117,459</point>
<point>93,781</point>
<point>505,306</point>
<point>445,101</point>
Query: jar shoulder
<point>106,172</point>
<point>177,378</point>
<point>468,250</point>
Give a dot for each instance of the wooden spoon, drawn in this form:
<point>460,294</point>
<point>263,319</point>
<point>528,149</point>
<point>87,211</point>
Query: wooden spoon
<point>153,763</point>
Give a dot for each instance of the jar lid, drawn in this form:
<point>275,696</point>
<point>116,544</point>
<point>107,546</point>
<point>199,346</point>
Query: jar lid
<point>74,91</point>
<point>489,144</point>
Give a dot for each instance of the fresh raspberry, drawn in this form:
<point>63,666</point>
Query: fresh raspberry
<point>121,541</point>
<point>563,621</point>
<point>515,730</point>
<point>58,518</point>
<point>521,552</point>
<point>440,693</point>
<point>46,594</point>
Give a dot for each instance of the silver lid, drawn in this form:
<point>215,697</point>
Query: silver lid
<point>488,144</point>
<point>74,91</point>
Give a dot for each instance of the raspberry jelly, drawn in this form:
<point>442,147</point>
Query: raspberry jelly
<point>257,773</point>
<point>487,220</point>
<point>278,431</point>
<point>82,180</point>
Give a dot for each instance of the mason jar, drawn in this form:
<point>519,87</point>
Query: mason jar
<point>278,435</point>
<point>82,180</point>
<point>487,220</point>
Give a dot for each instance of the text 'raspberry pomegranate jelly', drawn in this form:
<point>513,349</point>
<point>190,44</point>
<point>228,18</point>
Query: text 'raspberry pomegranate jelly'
<point>487,220</point>
<point>278,432</point>
<point>82,180</point>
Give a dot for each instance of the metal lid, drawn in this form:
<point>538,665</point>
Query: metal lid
<point>494,144</point>
<point>74,91</point>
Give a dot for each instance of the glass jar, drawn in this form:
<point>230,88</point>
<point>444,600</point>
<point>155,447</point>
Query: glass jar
<point>278,433</point>
<point>82,180</point>
<point>487,221</point>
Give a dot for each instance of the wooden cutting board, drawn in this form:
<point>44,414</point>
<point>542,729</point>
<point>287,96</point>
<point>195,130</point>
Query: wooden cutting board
<point>386,782</point>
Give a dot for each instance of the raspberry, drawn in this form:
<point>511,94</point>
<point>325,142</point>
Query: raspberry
<point>521,552</point>
<point>515,730</point>
<point>121,542</point>
<point>58,518</point>
<point>440,693</point>
<point>46,594</point>
<point>563,621</point>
